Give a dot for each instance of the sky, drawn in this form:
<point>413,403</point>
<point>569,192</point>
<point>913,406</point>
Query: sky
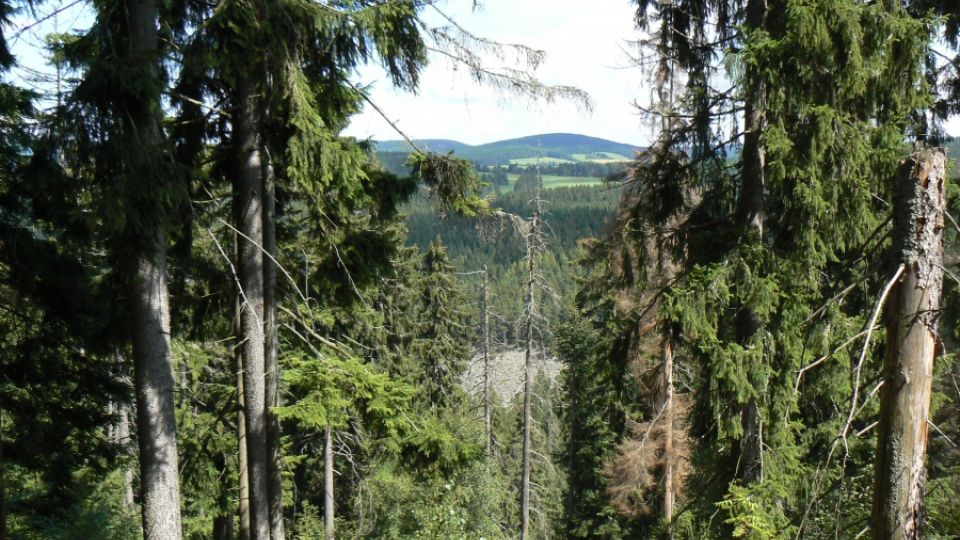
<point>587,44</point>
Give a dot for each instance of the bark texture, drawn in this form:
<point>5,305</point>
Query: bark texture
<point>912,345</point>
<point>271,352</point>
<point>328,499</point>
<point>668,412</point>
<point>248,193</point>
<point>533,240</point>
<point>243,479</point>
<point>153,378</point>
<point>149,302</point>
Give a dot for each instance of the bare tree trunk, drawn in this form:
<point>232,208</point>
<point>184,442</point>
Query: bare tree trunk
<point>487,408</point>
<point>271,352</point>
<point>328,499</point>
<point>153,378</point>
<point>243,479</point>
<point>527,395</point>
<point>533,240</point>
<point>668,457</point>
<point>149,302</point>
<point>912,345</point>
<point>248,193</point>
<point>750,216</point>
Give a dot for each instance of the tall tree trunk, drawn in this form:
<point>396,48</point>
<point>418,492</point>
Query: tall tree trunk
<point>750,217</point>
<point>243,478</point>
<point>248,194</point>
<point>153,378</point>
<point>666,354</point>
<point>912,345</point>
<point>271,351</point>
<point>527,396</point>
<point>328,499</point>
<point>149,302</point>
<point>533,240</point>
<point>487,408</point>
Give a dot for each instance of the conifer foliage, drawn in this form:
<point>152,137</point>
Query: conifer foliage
<point>213,314</point>
<point>767,196</point>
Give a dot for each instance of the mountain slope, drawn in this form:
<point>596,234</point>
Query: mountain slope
<point>436,145</point>
<point>550,146</point>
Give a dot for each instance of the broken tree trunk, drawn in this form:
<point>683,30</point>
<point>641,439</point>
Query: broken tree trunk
<point>912,343</point>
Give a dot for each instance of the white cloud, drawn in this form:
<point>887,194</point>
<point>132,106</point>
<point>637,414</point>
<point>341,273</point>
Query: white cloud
<point>584,41</point>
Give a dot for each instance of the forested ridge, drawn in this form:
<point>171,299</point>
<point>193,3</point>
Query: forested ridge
<point>223,318</point>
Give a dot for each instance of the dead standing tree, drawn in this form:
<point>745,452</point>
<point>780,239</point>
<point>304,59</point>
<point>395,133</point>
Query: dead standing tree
<point>912,345</point>
<point>531,231</point>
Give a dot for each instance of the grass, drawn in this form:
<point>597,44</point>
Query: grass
<point>553,181</point>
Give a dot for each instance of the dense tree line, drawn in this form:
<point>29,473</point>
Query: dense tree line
<point>732,306</point>
<point>224,319</point>
<point>571,215</point>
<point>206,283</point>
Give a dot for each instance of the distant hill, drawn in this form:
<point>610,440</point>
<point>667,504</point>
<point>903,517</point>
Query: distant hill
<point>437,145</point>
<point>552,148</point>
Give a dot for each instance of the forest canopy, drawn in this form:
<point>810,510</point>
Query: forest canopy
<point>224,317</point>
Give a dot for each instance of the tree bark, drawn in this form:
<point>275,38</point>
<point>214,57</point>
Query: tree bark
<point>271,352</point>
<point>750,217</point>
<point>912,346</point>
<point>153,378</point>
<point>533,240</point>
<point>487,408</point>
<point>328,499</point>
<point>668,457</point>
<point>149,302</point>
<point>248,193</point>
<point>243,479</point>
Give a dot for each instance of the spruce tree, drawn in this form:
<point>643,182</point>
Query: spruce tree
<point>783,216</point>
<point>122,145</point>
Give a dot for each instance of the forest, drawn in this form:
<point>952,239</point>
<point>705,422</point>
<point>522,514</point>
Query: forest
<point>224,318</point>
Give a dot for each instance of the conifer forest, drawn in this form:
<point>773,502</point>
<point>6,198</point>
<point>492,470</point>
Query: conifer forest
<point>225,315</point>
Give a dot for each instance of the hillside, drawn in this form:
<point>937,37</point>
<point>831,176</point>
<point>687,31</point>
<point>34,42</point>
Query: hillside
<point>552,147</point>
